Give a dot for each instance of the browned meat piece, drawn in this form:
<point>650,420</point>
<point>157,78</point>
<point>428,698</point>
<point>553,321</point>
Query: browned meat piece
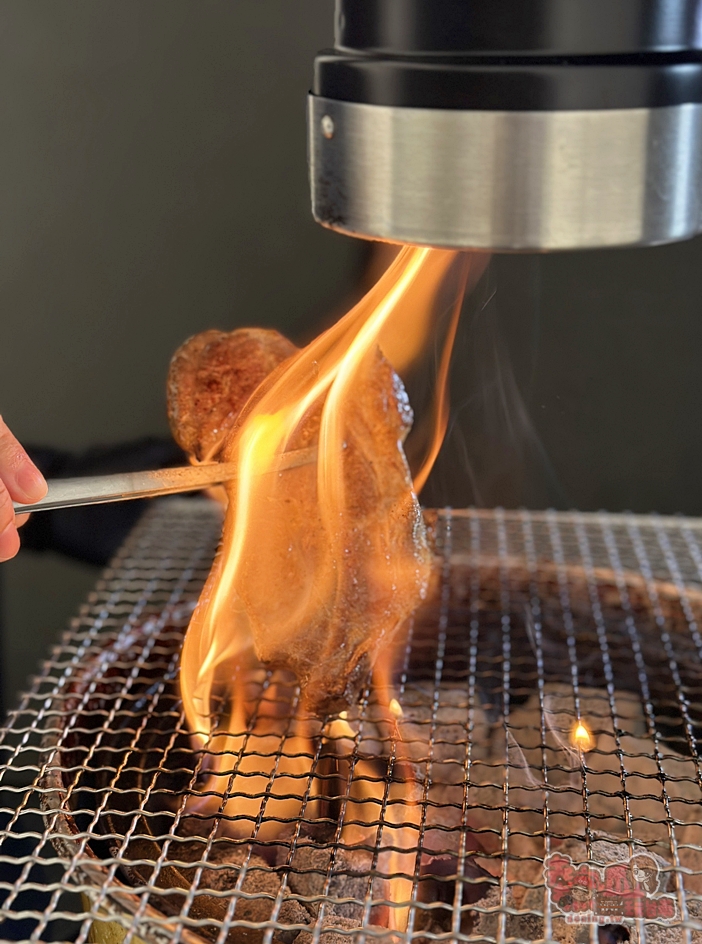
<point>323,601</point>
<point>211,377</point>
<point>320,599</point>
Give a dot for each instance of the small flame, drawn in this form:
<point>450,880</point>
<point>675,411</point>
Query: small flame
<point>581,737</point>
<point>340,730</point>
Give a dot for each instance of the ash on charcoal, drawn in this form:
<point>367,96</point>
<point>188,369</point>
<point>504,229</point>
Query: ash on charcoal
<point>260,880</point>
<point>485,924</point>
<point>333,930</point>
<point>224,871</point>
<point>220,872</point>
<point>194,824</point>
<point>349,879</point>
<point>221,869</point>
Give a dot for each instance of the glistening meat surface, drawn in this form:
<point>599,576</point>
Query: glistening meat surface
<point>211,377</point>
<point>316,594</point>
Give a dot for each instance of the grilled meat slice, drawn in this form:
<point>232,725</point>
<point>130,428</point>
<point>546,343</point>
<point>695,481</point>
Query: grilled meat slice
<point>211,377</point>
<point>321,595</point>
<point>324,594</point>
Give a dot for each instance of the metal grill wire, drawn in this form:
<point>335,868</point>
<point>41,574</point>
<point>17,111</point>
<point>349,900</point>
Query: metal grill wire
<point>578,608</point>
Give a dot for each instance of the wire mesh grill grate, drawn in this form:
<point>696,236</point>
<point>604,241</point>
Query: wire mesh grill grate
<point>550,705</point>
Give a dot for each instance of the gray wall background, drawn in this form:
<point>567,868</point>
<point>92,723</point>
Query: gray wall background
<point>153,183</point>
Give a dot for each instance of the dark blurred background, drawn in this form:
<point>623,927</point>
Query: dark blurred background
<point>154,183</point>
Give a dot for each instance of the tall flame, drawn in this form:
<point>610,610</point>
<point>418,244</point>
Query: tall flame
<point>276,570</point>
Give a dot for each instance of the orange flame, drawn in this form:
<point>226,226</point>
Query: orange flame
<point>329,370</point>
<point>581,738</point>
<point>262,763</point>
<point>282,569</point>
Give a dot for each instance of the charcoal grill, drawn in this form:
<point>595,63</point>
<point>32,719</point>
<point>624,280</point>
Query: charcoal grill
<point>537,622</point>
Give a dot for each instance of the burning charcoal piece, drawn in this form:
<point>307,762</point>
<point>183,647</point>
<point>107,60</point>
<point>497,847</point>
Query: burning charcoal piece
<point>436,888</point>
<point>260,881</point>
<point>291,913</point>
<point>308,873</point>
<point>220,872</point>
<point>211,377</point>
<point>438,875</point>
<point>350,878</point>
<point>430,924</point>
<point>196,825</point>
<point>486,924</point>
<point>179,882</point>
<point>225,862</point>
<point>613,934</point>
<point>332,929</point>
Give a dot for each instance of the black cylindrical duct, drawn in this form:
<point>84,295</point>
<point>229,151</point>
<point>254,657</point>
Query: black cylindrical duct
<point>510,124</point>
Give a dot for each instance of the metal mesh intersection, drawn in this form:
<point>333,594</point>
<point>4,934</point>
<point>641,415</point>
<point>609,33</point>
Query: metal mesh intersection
<point>538,623</point>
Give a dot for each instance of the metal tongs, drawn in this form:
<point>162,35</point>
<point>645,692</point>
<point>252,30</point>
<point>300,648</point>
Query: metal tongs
<point>124,486</point>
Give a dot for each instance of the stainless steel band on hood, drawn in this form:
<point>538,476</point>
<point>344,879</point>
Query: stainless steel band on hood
<point>513,125</point>
<point>507,180</point>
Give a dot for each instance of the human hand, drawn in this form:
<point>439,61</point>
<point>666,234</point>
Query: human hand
<point>20,481</point>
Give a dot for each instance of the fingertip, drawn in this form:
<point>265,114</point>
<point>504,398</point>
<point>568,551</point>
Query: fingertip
<point>31,483</point>
<point>9,543</point>
<point>20,476</point>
